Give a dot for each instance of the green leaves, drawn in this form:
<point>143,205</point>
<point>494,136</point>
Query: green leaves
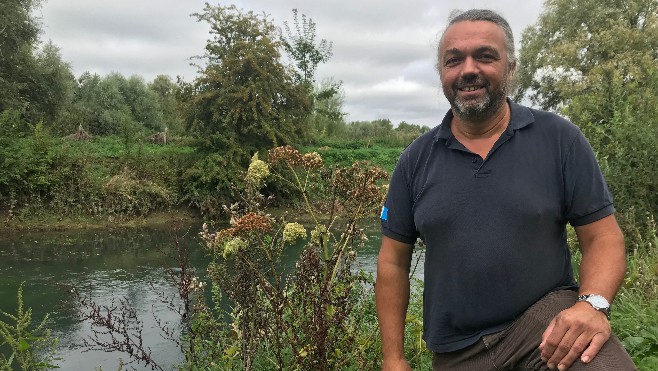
<point>32,345</point>
<point>576,43</point>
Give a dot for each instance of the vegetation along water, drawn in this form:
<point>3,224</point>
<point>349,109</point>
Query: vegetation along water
<point>261,157</point>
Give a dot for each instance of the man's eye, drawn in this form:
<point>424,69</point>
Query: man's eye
<point>452,61</point>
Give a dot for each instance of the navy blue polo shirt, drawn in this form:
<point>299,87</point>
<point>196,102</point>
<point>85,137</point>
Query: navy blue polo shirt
<point>495,229</point>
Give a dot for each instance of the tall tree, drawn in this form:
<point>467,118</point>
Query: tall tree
<point>585,47</point>
<point>245,93</point>
<point>301,47</point>
<point>33,78</point>
<point>19,33</point>
<point>165,91</point>
<point>307,54</point>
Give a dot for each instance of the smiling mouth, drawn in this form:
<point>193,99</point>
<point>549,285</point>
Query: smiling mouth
<point>470,88</point>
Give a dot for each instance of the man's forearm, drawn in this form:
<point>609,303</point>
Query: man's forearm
<point>392,296</point>
<point>603,266</point>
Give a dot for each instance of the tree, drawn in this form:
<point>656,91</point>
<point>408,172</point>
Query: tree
<point>306,54</point>
<point>328,118</point>
<point>33,79</point>
<point>165,91</point>
<point>52,86</point>
<point>243,101</point>
<point>302,49</point>
<point>19,32</point>
<point>245,91</point>
<point>585,47</point>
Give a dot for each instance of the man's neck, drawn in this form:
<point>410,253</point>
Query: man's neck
<point>491,127</point>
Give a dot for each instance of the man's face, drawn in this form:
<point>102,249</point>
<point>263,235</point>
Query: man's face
<point>474,69</point>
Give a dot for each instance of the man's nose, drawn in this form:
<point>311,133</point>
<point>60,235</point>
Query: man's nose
<point>470,67</point>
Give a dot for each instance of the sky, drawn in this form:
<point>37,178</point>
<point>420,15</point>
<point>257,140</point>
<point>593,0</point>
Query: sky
<point>383,50</point>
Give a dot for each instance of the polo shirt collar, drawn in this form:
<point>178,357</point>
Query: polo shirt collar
<point>521,116</point>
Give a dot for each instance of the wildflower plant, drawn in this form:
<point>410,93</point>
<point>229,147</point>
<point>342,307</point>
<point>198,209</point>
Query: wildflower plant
<point>305,317</point>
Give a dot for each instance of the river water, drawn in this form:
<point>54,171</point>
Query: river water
<point>108,265</point>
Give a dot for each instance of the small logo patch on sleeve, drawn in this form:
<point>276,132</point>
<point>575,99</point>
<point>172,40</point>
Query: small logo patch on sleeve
<point>384,215</point>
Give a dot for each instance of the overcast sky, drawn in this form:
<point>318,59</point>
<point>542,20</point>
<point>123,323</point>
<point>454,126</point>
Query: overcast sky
<point>383,51</point>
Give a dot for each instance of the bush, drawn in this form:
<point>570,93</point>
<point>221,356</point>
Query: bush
<point>319,316</point>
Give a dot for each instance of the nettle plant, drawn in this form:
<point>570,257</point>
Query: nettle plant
<point>304,317</point>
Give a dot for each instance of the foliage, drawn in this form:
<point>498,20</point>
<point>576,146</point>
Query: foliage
<point>32,346</point>
<point>244,94</point>
<point>306,319</point>
<point>244,100</point>
<point>577,44</point>
<point>33,79</point>
<point>302,49</point>
<point>381,131</point>
<point>121,106</point>
<point>39,172</point>
<point>345,153</point>
<point>165,91</point>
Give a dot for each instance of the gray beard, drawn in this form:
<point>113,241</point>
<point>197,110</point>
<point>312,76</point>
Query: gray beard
<point>481,110</point>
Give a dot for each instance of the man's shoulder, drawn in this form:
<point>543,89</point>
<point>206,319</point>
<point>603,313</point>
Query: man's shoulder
<point>547,121</point>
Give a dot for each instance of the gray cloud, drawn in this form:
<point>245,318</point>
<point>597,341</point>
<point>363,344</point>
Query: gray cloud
<point>384,51</point>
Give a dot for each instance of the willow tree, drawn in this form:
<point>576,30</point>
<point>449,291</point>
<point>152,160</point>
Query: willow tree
<point>596,62</point>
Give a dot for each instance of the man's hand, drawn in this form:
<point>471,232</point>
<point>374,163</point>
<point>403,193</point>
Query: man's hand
<point>579,331</point>
<point>396,365</point>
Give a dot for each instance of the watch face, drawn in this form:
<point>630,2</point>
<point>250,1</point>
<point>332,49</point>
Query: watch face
<point>598,301</point>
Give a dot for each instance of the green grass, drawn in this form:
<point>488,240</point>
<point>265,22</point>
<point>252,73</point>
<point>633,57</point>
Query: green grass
<point>347,153</point>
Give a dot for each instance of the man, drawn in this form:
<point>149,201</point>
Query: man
<point>490,191</point>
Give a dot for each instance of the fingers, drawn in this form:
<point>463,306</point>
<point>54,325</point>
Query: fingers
<point>545,335</point>
<point>572,335</point>
<point>567,352</point>
<point>597,343</point>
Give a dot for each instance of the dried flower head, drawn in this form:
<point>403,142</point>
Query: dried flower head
<point>312,160</point>
<point>359,183</point>
<point>293,231</point>
<point>251,222</point>
<point>257,172</point>
<point>286,154</point>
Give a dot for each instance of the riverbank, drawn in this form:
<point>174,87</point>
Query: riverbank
<point>45,222</point>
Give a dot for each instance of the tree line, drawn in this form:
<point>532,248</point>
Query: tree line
<point>256,89</point>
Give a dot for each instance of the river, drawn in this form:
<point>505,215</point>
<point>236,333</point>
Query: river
<point>109,265</point>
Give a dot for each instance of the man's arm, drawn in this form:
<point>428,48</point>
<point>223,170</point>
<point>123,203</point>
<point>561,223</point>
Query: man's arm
<point>581,331</point>
<point>392,296</point>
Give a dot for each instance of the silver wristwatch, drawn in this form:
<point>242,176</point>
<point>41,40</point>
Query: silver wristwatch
<point>598,302</point>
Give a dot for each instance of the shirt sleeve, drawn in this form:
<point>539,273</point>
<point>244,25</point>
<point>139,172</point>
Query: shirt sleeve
<point>397,220</point>
<point>587,196</point>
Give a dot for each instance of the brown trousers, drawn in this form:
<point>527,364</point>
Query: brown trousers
<point>517,347</point>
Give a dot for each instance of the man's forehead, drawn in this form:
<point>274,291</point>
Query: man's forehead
<point>472,34</point>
